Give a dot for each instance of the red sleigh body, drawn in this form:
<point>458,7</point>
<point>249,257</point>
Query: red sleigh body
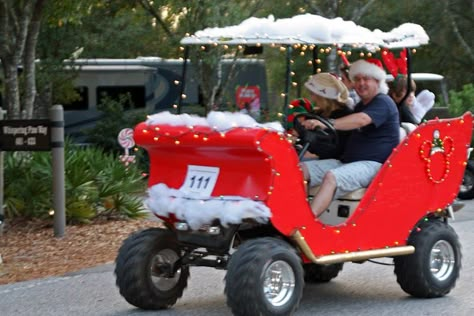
<point>422,176</point>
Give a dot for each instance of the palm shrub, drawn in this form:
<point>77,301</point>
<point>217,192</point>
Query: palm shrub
<point>96,184</point>
<point>112,180</point>
<point>27,188</point>
<point>81,192</point>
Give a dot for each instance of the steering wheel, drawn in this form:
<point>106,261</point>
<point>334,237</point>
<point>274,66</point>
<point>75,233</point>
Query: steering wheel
<point>317,140</point>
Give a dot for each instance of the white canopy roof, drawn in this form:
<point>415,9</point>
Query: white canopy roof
<point>309,29</point>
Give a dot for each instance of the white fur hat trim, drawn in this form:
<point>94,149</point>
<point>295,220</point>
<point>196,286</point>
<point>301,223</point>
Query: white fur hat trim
<point>365,68</point>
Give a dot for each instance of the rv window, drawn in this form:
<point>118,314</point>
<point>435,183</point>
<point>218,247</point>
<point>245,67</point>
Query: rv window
<point>82,103</point>
<point>136,93</point>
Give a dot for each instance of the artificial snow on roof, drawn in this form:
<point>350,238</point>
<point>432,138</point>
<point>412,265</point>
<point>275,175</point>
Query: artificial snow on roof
<point>309,29</point>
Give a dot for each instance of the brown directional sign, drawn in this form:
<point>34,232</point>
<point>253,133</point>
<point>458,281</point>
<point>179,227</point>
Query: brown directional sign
<point>25,135</point>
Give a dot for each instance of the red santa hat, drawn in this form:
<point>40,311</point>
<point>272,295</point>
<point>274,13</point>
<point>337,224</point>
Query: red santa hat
<point>371,67</point>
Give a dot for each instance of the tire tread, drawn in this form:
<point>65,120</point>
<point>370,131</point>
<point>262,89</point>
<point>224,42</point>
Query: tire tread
<point>131,269</point>
<point>411,270</point>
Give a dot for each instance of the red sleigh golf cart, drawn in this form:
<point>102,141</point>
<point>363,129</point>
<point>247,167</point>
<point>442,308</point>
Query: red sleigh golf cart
<point>232,196</point>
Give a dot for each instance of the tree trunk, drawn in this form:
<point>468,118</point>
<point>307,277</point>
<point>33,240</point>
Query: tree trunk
<point>43,101</point>
<point>12,91</point>
<point>29,60</point>
<point>14,23</point>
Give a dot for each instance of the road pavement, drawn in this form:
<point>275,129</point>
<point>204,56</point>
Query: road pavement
<point>360,289</point>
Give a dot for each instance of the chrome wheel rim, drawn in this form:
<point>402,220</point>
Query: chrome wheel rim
<point>161,265</point>
<point>442,260</point>
<point>279,283</point>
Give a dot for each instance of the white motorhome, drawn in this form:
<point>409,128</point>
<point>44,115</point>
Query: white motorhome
<point>153,83</point>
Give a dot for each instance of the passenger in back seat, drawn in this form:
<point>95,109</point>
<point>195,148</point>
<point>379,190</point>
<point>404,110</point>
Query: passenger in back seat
<point>374,127</point>
<point>397,91</point>
<point>348,83</point>
<point>412,109</point>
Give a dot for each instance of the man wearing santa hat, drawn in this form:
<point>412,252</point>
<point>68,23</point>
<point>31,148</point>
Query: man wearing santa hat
<point>375,132</point>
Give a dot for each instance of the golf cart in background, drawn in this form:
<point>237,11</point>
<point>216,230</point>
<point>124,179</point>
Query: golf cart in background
<point>232,196</point>
<point>435,83</point>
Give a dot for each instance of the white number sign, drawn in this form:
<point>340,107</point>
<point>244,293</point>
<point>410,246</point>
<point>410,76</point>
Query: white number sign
<point>200,179</point>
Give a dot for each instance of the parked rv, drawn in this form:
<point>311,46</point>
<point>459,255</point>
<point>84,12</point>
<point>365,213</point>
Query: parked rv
<point>154,84</point>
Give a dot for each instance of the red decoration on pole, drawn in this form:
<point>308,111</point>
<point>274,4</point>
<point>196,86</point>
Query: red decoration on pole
<point>344,58</point>
<point>394,65</point>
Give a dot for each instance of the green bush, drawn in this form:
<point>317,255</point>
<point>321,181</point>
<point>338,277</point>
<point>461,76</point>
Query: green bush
<point>114,118</point>
<point>461,101</point>
<point>97,184</point>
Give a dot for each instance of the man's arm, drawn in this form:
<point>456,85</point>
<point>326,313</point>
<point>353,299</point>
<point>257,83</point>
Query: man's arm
<point>346,123</point>
<point>352,121</point>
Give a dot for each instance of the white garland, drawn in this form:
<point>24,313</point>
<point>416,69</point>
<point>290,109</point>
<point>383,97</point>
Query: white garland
<point>197,210</point>
<point>220,121</point>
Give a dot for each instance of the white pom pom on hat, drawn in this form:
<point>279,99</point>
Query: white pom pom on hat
<point>371,67</point>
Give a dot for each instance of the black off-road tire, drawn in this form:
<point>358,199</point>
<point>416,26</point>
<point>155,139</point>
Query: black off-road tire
<point>432,239</point>
<point>248,278</point>
<point>135,267</point>
<point>466,191</point>
<point>318,273</point>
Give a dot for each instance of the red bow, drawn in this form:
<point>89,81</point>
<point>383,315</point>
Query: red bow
<point>395,65</point>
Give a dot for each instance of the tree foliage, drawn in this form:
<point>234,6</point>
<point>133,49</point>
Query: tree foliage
<point>462,101</point>
<point>449,25</point>
<point>127,29</point>
<point>186,17</point>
